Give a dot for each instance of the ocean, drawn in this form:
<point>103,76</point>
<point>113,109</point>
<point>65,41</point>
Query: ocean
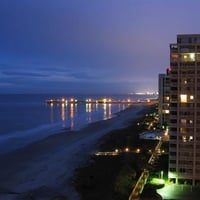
<point>25,118</point>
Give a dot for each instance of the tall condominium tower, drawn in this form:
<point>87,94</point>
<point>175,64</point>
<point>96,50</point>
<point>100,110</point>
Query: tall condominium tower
<point>184,124</point>
<point>164,99</point>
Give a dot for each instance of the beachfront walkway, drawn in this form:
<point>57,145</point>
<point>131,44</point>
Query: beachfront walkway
<point>145,174</point>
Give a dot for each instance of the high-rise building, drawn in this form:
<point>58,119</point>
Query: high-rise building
<point>164,99</point>
<point>184,124</point>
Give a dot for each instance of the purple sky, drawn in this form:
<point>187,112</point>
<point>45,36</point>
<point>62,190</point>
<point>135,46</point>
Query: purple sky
<point>89,46</point>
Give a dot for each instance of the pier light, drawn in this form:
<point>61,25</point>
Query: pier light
<point>129,100</point>
<point>126,149</point>
<point>137,150</point>
<point>104,100</point>
<point>71,99</point>
<point>116,150</point>
<point>63,99</point>
<point>110,100</point>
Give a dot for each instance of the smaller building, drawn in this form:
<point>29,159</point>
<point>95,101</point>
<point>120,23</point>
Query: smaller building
<point>151,135</point>
<point>164,99</point>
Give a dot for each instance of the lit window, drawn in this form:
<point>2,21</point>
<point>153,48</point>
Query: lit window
<point>183,98</point>
<point>191,97</point>
<point>184,138</point>
<point>167,98</point>
<point>174,56</point>
<point>191,138</point>
<point>183,121</point>
<point>188,57</point>
<point>166,111</point>
<point>192,56</point>
<point>183,130</point>
<point>191,121</point>
<point>185,81</point>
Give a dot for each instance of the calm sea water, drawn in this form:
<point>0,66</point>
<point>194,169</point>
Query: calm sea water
<point>26,118</point>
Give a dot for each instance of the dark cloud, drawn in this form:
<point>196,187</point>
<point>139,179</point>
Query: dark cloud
<point>23,74</point>
<point>83,76</point>
<point>53,69</point>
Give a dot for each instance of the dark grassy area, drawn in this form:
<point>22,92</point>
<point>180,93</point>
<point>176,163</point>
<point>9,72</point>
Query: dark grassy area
<point>113,177</point>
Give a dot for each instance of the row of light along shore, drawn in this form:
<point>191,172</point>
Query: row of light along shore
<point>96,101</point>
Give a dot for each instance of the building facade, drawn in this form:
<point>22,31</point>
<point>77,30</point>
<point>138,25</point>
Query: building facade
<point>164,100</point>
<point>184,123</point>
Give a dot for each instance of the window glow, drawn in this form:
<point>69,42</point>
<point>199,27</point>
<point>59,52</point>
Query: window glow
<point>192,56</point>
<point>191,138</point>
<point>184,138</point>
<point>183,98</point>
<point>166,111</point>
<point>191,97</point>
<point>167,98</point>
<point>183,121</point>
<point>183,130</point>
<point>188,57</point>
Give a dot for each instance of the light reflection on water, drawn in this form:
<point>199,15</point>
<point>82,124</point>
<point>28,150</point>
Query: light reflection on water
<point>30,112</point>
<point>72,114</point>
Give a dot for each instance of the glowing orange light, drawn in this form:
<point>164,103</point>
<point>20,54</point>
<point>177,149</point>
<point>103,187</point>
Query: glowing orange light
<point>127,149</point>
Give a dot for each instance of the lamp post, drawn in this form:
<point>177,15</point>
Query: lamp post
<point>161,174</point>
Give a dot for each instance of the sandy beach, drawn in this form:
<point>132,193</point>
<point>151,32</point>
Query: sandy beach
<point>42,170</point>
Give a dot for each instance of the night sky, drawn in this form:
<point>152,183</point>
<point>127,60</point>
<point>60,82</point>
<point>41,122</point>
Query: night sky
<point>89,46</point>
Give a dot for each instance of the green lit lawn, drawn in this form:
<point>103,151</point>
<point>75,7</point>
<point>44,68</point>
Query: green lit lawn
<point>179,192</point>
<point>157,181</point>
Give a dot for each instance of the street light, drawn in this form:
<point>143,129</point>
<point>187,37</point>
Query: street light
<point>161,174</point>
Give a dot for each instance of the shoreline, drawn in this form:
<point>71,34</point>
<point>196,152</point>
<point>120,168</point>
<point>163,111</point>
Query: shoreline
<point>45,167</point>
<point>20,138</point>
